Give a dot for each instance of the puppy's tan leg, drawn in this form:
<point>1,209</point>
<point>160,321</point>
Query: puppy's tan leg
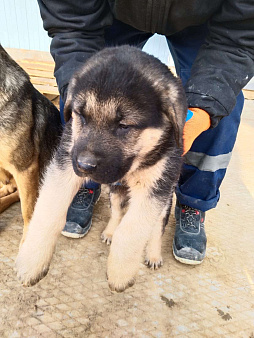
<point>8,200</point>
<point>129,239</point>
<point>117,202</point>
<point>28,186</point>
<point>57,191</point>
<point>153,250</point>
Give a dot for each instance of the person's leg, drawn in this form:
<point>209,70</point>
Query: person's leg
<point>204,165</point>
<point>80,212</point>
<point>122,34</point>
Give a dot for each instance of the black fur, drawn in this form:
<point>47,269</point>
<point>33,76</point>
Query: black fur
<point>132,91</point>
<point>27,118</point>
<point>128,113</point>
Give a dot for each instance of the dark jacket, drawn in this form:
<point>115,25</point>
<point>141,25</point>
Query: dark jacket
<point>224,64</point>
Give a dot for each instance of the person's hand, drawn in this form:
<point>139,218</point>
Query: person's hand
<point>198,120</point>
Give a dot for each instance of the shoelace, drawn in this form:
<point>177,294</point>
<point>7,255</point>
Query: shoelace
<point>82,195</point>
<point>191,216</point>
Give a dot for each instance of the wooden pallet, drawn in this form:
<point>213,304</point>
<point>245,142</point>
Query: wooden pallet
<point>248,94</point>
<point>40,67</point>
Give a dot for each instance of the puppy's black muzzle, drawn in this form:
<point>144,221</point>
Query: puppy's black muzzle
<point>86,163</point>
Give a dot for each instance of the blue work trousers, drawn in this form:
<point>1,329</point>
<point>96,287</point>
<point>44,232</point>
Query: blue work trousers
<point>205,164</point>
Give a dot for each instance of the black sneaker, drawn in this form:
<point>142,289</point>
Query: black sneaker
<point>80,212</point>
<point>189,245</point>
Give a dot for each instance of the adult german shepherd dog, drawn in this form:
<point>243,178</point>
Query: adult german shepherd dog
<point>125,114</point>
<point>30,130</point>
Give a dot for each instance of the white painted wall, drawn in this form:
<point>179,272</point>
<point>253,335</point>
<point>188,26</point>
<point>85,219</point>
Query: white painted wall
<point>21,27</point>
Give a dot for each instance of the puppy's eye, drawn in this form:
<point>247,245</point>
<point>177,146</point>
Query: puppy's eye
<point>83,120</point>
<point>123,126</point>
<point>80,117</point>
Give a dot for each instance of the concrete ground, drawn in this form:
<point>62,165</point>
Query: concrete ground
<point>215,299</point>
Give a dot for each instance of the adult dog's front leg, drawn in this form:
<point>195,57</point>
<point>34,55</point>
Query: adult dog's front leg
<point>57,191</point>
<point>129,240</point>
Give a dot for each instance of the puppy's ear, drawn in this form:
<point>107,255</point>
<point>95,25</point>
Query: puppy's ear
<point>67,108</point>
<point>175,108</point>
<point>69,99</point>
<point>175,114</point>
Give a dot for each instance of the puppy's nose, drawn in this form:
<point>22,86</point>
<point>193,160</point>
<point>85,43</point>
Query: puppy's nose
<point>86,163</point>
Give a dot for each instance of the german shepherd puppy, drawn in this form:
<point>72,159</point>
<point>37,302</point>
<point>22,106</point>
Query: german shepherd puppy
<point>30,130</point>
<point>128,113</point>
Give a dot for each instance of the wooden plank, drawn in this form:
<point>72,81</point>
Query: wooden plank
<point>248,94</point>
<point>47,89</point>
<point>36,65</point>
<point>25,54</point>
<point>39,66</point>
<point>43,80</point>
<point>39,73</point>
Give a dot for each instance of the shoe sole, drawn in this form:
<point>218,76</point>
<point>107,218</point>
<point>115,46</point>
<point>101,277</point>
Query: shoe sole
<point>186,260</point>
<point>74,235</point>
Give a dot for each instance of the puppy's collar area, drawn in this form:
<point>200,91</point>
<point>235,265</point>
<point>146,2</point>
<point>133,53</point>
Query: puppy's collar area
<point>117,183</point>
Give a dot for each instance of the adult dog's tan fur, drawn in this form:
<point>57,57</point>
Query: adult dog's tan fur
<point>30,130</point>
<point>8,190</point>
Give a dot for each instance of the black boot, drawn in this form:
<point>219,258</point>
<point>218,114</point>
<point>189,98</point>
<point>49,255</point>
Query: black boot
<point>80,212</point>
<point>189,245</point>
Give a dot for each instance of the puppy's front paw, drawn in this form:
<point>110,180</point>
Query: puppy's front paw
<point>154,263</point>
<point>31,266</point>
<point>106,238</point>
<point>119,286</point>
<point>121,274</point>
<point>119,283</point>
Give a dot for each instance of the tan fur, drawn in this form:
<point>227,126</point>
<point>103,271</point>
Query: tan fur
<point>153,250</point>
<point>135,229</point>
<point>36,252</point>
<point>8,200</point>
<point>148,139</point>
<point>27,182</point>
<point>76,129</point>
<point>116,216</point>
<point>28,187</point>
<point>8,186</point>
<point>94,107</point>
<point>111,114</point>
<point>8,189</point>
<point>30,128</point>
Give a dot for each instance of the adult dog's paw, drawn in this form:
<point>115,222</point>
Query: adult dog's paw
<point>31,266</point>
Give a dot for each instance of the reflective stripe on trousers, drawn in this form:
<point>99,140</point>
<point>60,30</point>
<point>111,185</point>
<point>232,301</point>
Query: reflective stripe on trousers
<point>206,162</point>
